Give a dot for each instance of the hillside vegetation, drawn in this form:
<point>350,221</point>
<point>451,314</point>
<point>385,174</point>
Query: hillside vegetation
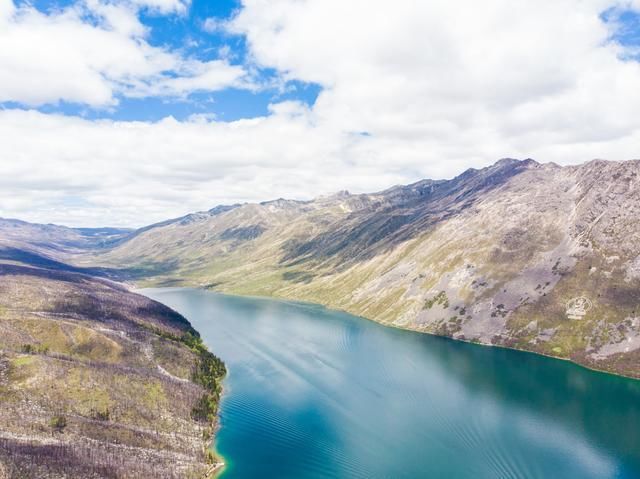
<point>99,382</point>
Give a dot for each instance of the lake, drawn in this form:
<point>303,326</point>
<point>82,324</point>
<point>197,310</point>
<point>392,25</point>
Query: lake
<point>315,393</point>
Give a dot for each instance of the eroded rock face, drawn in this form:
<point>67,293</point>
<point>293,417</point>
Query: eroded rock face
<point>615,338</point>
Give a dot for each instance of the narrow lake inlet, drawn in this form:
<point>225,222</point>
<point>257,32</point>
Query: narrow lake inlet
<point>314,393</point>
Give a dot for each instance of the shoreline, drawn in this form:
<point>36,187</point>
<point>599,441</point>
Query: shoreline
<point>402,328</point>
<point>217,469</point>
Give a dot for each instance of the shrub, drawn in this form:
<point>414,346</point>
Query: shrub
<point>58,423</point>
<point>205,409</point>
<point>102,415</point>
<point>211,457</point>
<point>34,349</point>
<point>209,368</point>
<point>440,298</point>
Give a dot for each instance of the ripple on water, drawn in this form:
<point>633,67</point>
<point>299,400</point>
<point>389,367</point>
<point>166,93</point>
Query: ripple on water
<point>319,394</point>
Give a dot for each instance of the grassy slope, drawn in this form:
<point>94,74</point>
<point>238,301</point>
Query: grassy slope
<point>127,374</point>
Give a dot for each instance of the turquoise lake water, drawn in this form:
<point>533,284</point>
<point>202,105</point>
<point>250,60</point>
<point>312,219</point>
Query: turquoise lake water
<point>314,393</point>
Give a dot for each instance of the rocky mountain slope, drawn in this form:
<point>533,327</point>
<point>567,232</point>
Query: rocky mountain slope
<point>521,254</point>
<point>97,381</point>
<point>59,239</point>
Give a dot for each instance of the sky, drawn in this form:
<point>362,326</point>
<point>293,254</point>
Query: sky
<point>128,112</point>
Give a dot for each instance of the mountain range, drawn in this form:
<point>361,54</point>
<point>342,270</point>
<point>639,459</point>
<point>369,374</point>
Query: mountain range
<point>538,257</point>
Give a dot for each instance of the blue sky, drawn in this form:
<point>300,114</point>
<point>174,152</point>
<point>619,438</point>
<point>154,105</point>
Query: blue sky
<point>627,29</point>
<point>187,34</point>
<point>126,112</point>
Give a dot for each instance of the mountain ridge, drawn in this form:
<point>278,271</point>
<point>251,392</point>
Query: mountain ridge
<point>492,255</point>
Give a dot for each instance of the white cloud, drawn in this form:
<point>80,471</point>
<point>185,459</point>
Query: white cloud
<point>164,6</point>
<point>446,69</point>
<point>197,76</point>
<point>439,86</point>
<point>214,25</point>
<point>80,172</point>
<point>138,172</point>
<point>91,52</point>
